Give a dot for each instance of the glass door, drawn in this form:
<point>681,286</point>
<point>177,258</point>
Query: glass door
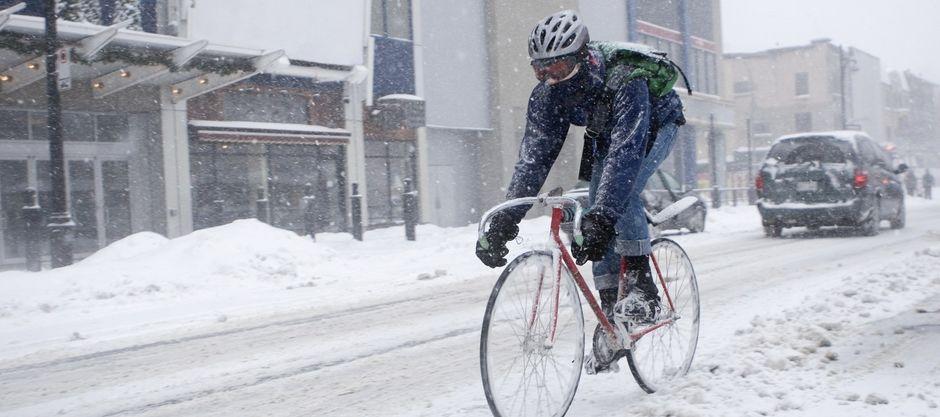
<point>291,168</point>
<point>82,205</point>
<point>13,183</point>
<point>117,201</point>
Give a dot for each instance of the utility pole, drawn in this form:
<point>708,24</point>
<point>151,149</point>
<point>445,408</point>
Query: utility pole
<point>842,85</point>
<point>846,67</point>
<point>750,164</point>
<point>713,160</point>
<point>60,221</point>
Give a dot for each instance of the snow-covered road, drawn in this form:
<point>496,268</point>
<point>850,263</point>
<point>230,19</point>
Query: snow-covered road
<point>815,323</point>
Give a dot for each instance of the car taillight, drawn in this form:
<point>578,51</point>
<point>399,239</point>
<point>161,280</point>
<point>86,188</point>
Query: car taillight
<point>861,179</point>
<point>759,182</point>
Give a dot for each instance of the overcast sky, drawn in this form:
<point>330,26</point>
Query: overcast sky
<point>905,34</point>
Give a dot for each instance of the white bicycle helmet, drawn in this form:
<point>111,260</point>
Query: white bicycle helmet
<point>557,35</point>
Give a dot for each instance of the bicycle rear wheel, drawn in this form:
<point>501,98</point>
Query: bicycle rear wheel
<point>530,357</point>
<point>665,354</point>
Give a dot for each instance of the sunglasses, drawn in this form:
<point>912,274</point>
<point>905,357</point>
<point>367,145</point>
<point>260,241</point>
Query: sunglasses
<point>554,70</point>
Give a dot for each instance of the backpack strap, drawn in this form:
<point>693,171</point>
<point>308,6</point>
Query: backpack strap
<point>685,79</point>
<point>596,125</point>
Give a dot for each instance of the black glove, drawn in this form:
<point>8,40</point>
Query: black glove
<point>502,229</point>
<point>597,229</point>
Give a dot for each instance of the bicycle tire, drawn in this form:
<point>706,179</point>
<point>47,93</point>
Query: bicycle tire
<point>490,338</point>
<point>677,268</point>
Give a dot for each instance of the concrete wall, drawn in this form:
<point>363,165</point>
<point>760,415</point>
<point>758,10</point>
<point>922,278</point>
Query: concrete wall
<point>512,81</point>
<point>456,75</point>
<point>455,66</point>
<point>773,99</point>
<point>454,176</point>
<point>867,99</point>
<point>606,19</point>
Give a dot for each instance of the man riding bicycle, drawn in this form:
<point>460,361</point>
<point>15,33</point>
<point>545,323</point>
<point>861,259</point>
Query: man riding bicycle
<point>631,115</point>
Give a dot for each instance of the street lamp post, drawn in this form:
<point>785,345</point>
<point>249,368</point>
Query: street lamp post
<point>60,221</point>
<point>751,191</point>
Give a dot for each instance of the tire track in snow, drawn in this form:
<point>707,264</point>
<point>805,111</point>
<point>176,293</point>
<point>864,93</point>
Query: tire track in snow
<point>314,367</point>
<point>210,335</point>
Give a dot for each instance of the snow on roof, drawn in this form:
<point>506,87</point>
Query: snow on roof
<point>408,97</point>
<point>264,126</point>
<point>846,135</point>
<point>74,31</point>
<point>324,31</point>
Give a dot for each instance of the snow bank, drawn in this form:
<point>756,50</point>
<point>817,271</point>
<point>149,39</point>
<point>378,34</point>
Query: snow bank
<point>839,353</point>
<point>150,267</point>
<point>146,282</point>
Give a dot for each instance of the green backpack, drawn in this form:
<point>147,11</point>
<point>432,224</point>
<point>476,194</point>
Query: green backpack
<point>627,61</point>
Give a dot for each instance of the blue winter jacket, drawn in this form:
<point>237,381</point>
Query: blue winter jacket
<point>636,117</point>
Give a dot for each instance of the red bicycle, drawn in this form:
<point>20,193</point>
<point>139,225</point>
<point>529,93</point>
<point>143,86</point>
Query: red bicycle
<point>532,343</point>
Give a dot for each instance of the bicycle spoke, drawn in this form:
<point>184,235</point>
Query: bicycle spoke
<point>666,352</point>
<point>535,341</point>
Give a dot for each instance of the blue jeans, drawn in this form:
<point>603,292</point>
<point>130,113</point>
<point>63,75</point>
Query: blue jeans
<point>632,230</point>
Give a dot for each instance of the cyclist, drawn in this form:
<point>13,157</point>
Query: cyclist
<point>632,131</point>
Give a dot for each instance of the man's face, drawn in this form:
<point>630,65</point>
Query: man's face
<point>555,70</point>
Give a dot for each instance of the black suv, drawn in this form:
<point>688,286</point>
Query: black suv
<point>829,179</point>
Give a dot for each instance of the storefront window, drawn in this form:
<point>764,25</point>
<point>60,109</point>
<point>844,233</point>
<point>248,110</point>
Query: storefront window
<point>111,127</point>
<point>78,127</point>
<point>38,126</point>
<point>291,168</point>
<point>227,177</point>
<point>250,106</point>
<point>392,18</point>
<point>13,125</point>
<point>388,164</point>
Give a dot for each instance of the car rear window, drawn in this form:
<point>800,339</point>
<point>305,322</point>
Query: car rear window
<point>811,149</point>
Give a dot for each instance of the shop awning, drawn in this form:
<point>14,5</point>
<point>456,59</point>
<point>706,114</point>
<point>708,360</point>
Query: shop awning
<point>267,133</point>
<point>111,58</point>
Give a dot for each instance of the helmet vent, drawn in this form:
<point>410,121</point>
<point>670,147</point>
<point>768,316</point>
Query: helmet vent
<point>568,42</point>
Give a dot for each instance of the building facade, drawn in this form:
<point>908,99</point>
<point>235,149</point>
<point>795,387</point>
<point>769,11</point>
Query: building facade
<point>912,114</point>
<point>813,87</point>
<point>170,124</point>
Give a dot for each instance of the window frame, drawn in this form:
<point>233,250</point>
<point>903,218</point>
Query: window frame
<point>797,78</point>
<point>809,122</point>
<point>382,27</point>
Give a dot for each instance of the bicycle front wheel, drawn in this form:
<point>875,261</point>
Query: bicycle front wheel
<point>532,343</point>
<point>665,354</point>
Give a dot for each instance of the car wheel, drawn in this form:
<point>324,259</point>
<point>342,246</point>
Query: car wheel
<point>697,221</point>
<point>871,225</point>
<point>901,218</point>
<point>773,230</point>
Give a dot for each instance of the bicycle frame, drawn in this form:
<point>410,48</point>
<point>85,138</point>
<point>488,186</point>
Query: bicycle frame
<point>609,329</point>
<point>564,259</point>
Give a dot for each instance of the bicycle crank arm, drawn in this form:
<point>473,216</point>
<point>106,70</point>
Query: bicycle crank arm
<point>638,335</point>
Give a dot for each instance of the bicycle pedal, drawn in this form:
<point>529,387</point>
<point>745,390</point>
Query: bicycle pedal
<point>593,368</point>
